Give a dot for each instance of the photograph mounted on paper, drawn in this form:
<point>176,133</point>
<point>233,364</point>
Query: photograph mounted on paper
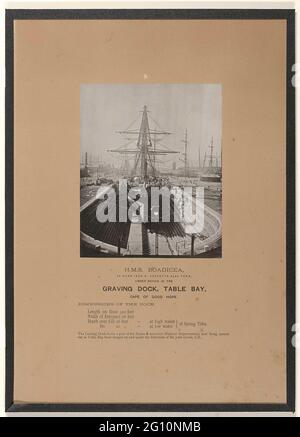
<point>151,170</point>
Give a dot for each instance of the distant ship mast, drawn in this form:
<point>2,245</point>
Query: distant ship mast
<point>211,158</point>
<point>185,155</point>
<point>211,172</point>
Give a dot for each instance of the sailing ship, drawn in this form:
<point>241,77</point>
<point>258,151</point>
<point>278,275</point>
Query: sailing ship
<point>211,172</point>
<point>133,236</point>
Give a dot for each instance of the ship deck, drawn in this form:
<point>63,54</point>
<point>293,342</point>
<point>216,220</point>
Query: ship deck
<point>145,239</point>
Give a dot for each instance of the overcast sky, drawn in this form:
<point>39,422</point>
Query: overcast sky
<point>106,109</point>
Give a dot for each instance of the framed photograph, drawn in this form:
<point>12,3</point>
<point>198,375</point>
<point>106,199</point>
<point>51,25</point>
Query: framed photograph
<point>150,210</point>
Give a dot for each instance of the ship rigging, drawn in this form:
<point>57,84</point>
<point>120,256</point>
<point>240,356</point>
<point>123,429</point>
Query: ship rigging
<point>145,152</point>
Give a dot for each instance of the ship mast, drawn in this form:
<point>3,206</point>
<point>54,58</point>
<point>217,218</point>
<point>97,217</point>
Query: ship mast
<point>154,147</point>
<point>185,141</point>
<point>211,157</point>
<point>204,161</point>
<point>144,143</point>
<point>144,153</point>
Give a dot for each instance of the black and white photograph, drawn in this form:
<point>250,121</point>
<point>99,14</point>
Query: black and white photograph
<point>172,292</point>
<point>151,170</point>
